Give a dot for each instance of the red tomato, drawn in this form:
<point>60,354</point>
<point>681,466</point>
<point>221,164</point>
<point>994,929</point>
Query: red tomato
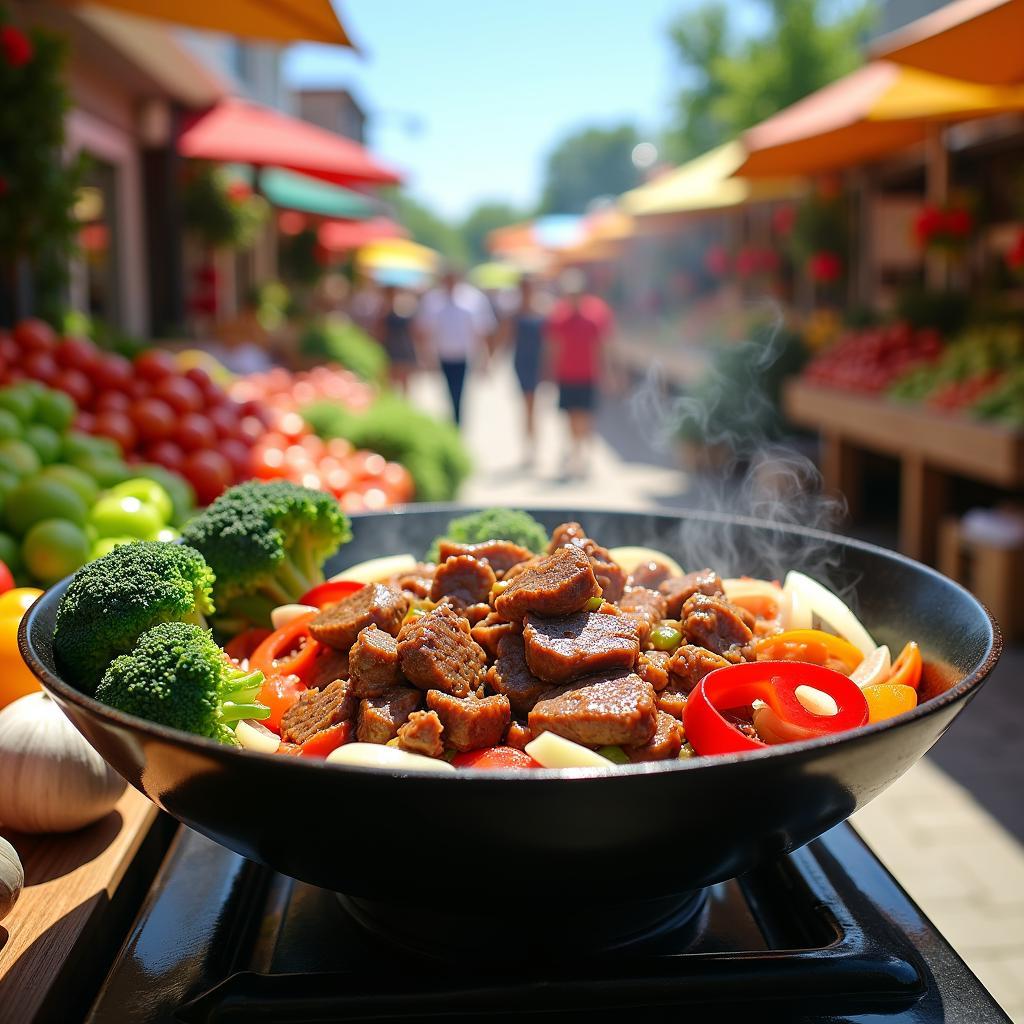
<point>209,473</point>
<point>339,448</point>
<point>77,353</point>
<point>33,333</point>
<point>112,372</point>
<point>6,579</point>
<point>118,427</point>
<point>180,394</point>
<point>323,742</point>
<point>397,481</point>
<point>75,384</point>
<point>313,445</point>
<point>239,455</point>
<point>279,693</point>
<point>84,421</point>
<point>153,419</point>
<point>225,420</point>
<point>166,453</point>
<point>251,429</point>
<point>194,431</point>
<point>155,364</point>
<point>267,462</point>
<point>9,350</point>
<point>112,401</point>
<point>198,376</point>
<point>366,464</point>
<point>500,758</point>
<point>40,365</point>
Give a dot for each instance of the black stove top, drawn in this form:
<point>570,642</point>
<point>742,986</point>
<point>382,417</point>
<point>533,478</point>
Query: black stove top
<point>825,934</point>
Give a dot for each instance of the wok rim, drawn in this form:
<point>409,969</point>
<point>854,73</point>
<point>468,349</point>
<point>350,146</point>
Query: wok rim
<point>54,685</point>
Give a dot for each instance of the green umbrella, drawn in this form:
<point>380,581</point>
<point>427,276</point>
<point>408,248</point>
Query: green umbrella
<point>292,191</point>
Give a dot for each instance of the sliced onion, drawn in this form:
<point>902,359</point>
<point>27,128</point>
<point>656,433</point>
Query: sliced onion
<point>831,610</point>
<point>875,668</point>
<point>376,570</point>
<point>285,613</point>
<point>376,755</point>
<point>255,735</point>
<point>551,751</point>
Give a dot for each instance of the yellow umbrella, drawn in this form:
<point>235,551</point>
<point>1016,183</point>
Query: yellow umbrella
<point>283,21</point>
<point>398,254</point>
<point>869,113</point>
<point>704,183</point>
<point>980,40</point>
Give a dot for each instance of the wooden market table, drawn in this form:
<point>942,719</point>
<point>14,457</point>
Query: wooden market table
<point>932,447</point>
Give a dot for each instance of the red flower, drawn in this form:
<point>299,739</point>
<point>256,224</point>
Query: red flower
<point>1015,255</point>
<point>928,223</point>
<point>16,46</point>
<point>238,191</point>
<point>748,261</point>
<point>769,261</point>
<point>716,261</point>
<point>958,223</point>
<point>825,267</point>
<point>784,220</point>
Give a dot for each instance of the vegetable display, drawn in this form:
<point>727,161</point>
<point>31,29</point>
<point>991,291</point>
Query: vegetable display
<point>514,651</point>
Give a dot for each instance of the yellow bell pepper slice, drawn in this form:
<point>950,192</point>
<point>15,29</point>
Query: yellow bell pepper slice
<point>16,678</point>
<point>811,645</point>
<point>887,700</point>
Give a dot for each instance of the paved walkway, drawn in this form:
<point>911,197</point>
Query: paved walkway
<point>942,841</point>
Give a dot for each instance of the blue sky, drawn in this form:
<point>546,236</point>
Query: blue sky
<point>493,87</point>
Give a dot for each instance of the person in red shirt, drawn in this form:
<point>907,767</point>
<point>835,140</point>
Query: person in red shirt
<point>577,330</point>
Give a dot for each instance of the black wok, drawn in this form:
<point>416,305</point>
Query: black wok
<point>414,849</point>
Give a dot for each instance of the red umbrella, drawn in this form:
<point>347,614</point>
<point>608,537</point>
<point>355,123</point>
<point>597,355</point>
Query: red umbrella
<point>343,235</point>
<point>237,131</point>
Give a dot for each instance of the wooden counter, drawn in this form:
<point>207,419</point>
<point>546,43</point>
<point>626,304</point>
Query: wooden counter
<point>931,447</point>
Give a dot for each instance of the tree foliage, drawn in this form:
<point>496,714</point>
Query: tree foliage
<point>733,82</point>
<point>430,229</point>
<point>589,163</point>
<point>481,221</point>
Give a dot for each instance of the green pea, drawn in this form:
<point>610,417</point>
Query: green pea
<point>686,752</point>
<point>666,638</point>
<point>594,604</point>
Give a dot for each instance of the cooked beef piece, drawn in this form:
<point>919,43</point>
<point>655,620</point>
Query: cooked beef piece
<point>518,735</point>
<point>488,632</point>
<point>559,584</point>
<point>520,567</point>
<point>653,666</point>
<point>421,734</point>
<point>374,662</point>
<point>374,605</point>
<point>475,613</point>
<point>643,601</point>
<point>317,710</point>
<point>679,589</point>
<point>666,742</point>
<point>500,554</point>
<point>580,645</point>
<point>471,724</point>
<point>649,574</point>
<point>690,664</point>
<point>713,623</point>
<point>379,717</point>
<point>672,702</point>
<point>613,709</point>
<point>328,666</point>
<point>511,675</point>
<point>415,582</point>
<point>437,652</point>
<point>466,579</point>
<point>610,575</point>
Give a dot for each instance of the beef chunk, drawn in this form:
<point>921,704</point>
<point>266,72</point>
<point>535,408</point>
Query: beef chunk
<point>713,623</point>
<point>374,663</point>
<point>339,624</point>
<point>613,709</point>
<point>679,589</point>
<point>579,645</point>
<point>415,582</point>
<point>653,666</point>
<point>559,584</point>
<point>610,575</point>
<point>500,554</point>
<point>690,664</point>
<point>511,675</point>
<point>379,717</point>
<point>471,724</point>
<point>488,632</point>
<point>437,652</point>
<point>466,579</point>
<point>328,666</point>
<point>672,702</point>
<point>421,734</point>
<point>518,735</point>
<point>475,613</point>
<point>317,710</point>
<point>649,574</point>
<point>642,601</point>
<point>666,742</point>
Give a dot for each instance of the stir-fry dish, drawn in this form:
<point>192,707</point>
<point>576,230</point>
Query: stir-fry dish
<point>509,649</point>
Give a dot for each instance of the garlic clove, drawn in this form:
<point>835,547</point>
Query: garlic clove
<point>12,877</point>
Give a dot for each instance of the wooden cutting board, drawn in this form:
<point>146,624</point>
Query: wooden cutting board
<point>81,893</point>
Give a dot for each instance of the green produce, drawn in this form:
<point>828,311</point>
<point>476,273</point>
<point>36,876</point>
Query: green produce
<point>342,342</point>
<point>177,676</point>
<point>19,459</point>
<point>168,534</point>
<point>116,515</point>
<point>10,553</point>
<point>45,440</point>
<point>55,409</point>
<point>106,471</point>
<point>87,488</point>
<point>104,545</point>
<point>179,490</point>
<point>111,602</point>
<point>55,548</point>
<point>19,400</point>
<point>149,492</point>
<point>266,545</point>
<point>494,524</point>
<point>78,445</point>
<point>10,425</point>
<point>42,498</point>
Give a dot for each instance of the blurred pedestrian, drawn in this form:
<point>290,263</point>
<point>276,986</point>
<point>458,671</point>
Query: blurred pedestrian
<point>578,329</point>
<point>394,332</point>
<point>456,324</point>
<point>525,335</point>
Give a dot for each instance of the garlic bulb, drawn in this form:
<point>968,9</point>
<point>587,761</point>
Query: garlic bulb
<point>53,781</point>
<point>12,877</point>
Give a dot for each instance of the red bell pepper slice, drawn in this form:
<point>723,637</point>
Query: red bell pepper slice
<point>775,683</point>
<point>290,650</point>
<point>242,646</point>
<point>907,668</point>
<point>330,592</point>
<point>279,693</point>
<point>495,757</point>
<point>323,742</point>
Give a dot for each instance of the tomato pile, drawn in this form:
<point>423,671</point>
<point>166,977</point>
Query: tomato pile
<point>289,392</point>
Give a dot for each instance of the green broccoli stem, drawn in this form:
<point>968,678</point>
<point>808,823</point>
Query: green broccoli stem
<point>196,618</point>
<point>296,577</point>
<point>239,685</point>
<point>232,712</point>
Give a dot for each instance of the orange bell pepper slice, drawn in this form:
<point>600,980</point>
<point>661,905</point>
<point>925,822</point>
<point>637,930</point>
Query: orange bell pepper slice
<point>907,668</point>
<point>887,700</point>
<point>814,646</point>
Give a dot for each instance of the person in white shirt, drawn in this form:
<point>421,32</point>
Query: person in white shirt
<point>456,323</point>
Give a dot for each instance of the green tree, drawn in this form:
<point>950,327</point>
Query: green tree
<point>590,162</point>
<point>484,219</point>
<point>732,83</point>
<point>429,229</point>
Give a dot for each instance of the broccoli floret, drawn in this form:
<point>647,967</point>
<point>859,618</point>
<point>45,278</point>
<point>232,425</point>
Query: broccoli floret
<point>111,602</point>
<point>177,676</point>
<point>493,524</point>
<point>266,544</point>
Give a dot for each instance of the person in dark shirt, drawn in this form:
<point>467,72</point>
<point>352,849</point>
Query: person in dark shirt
<point>526,336</point>
<point>394,331</point>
